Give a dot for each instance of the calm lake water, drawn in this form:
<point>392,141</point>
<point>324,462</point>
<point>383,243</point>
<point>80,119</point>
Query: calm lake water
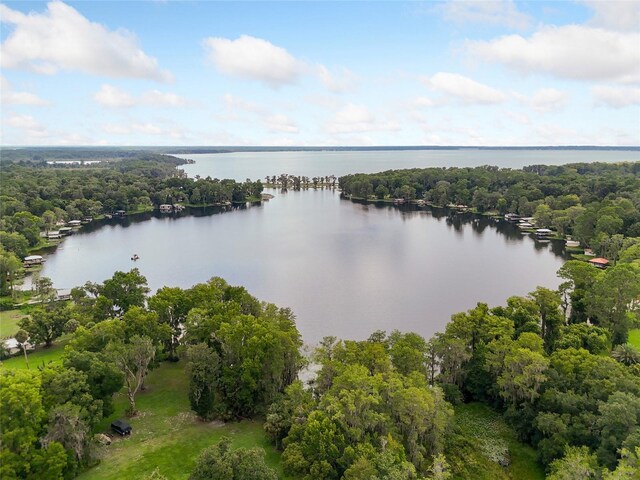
<point>256,165</point>
<point>345,268</point>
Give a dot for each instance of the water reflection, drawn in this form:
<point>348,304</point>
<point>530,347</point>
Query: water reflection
<point>346,268</point>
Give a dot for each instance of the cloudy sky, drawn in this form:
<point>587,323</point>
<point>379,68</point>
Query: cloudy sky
<point>330,73</point>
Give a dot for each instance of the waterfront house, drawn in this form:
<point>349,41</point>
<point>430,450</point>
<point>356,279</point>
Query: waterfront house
<point>63,294</point>
<point>166,208</point>
<point>66,230</point>
<point>119,213</point>
<point>599,262</point>
<point>33,260</point>
<point>74,223</point>
<point>543,232</point>
<point>512,217</point>
<point>54,234</point>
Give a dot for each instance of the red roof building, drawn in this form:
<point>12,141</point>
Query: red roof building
<point>599,262</point>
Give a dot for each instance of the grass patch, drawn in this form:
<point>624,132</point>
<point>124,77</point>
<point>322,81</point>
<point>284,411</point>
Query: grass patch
<point>634,338</point>
<point>167,436</point>
<point>9,322</point>
<point>37,357</point>
<point>489,448</point>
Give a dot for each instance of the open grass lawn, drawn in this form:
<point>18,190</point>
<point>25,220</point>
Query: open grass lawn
<point>38,357</point>
<point>634,338</point>
<point>9,322</point>
<point>167,436</point>
<point>494,442</point>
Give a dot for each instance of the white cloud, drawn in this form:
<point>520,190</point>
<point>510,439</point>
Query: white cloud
<point>422,102</point>
<point>113,97</point>
<point>10,97</point>
<point>26,122</point>
<point>236,103</point>
<point>255,59</point>
<point>29,125</point>
<point>621,15</point>
<point>280,124</point>
<point>162,99</point>
<point>62,39</point>
<point>548,100</point>
<point>342,81</point>
<point>464,88</point>
<point>357,119</point>
<point>616,97</point>
<point>493,12</point>
<point>572,51</point>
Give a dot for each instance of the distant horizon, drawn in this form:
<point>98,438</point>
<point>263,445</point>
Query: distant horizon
<point>259,148</point>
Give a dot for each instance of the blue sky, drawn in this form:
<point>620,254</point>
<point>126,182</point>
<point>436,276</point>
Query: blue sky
<point>320,73</point>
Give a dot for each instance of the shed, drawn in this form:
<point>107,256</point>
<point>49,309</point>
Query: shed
<point>599,262</point>
<point>121,427</point>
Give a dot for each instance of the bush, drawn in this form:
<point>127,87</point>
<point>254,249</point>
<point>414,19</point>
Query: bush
<point>6,304</point>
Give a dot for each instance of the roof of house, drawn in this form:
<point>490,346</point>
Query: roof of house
<point>33,257</point>
<point>599,261</point>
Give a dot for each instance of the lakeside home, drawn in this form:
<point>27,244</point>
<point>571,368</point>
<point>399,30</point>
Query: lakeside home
<point>169,208</point>
<point>33,260</point>
<point>599,262</point>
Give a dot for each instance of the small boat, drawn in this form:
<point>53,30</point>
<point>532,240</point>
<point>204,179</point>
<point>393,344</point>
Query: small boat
<point>135,257</point>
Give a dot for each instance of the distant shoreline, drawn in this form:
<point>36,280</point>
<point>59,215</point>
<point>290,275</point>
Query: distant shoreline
<point>194,149</point>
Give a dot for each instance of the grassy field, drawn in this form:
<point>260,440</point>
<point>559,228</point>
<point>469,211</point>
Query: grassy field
<point>166,434</point>
<point>494,452</point>
<point>37,357</point>
<point>9,322</point>
<point>634,338</point>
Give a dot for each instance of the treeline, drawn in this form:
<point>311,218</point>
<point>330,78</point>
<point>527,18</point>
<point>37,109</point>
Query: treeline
<point>554,362</point>
<point>299,182</point>
<point>589,201</point>
<point>34,199</point>
<point>40,155</point>
<point>240,354</point>
<point>381,408</point>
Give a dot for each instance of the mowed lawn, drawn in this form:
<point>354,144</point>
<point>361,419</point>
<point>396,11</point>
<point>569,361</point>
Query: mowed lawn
<point>40,356</point>
<point>9,322</point>
<point>494,439</point>
<point>634,338</point>
<point>167,437</point>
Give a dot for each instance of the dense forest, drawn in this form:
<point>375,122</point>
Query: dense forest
<point>37,197</point>
<point>589,201</point>
<point>554,362</point>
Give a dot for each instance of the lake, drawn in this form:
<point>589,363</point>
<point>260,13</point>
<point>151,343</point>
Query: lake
<point>256,165</point>
<point>345,268</point>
